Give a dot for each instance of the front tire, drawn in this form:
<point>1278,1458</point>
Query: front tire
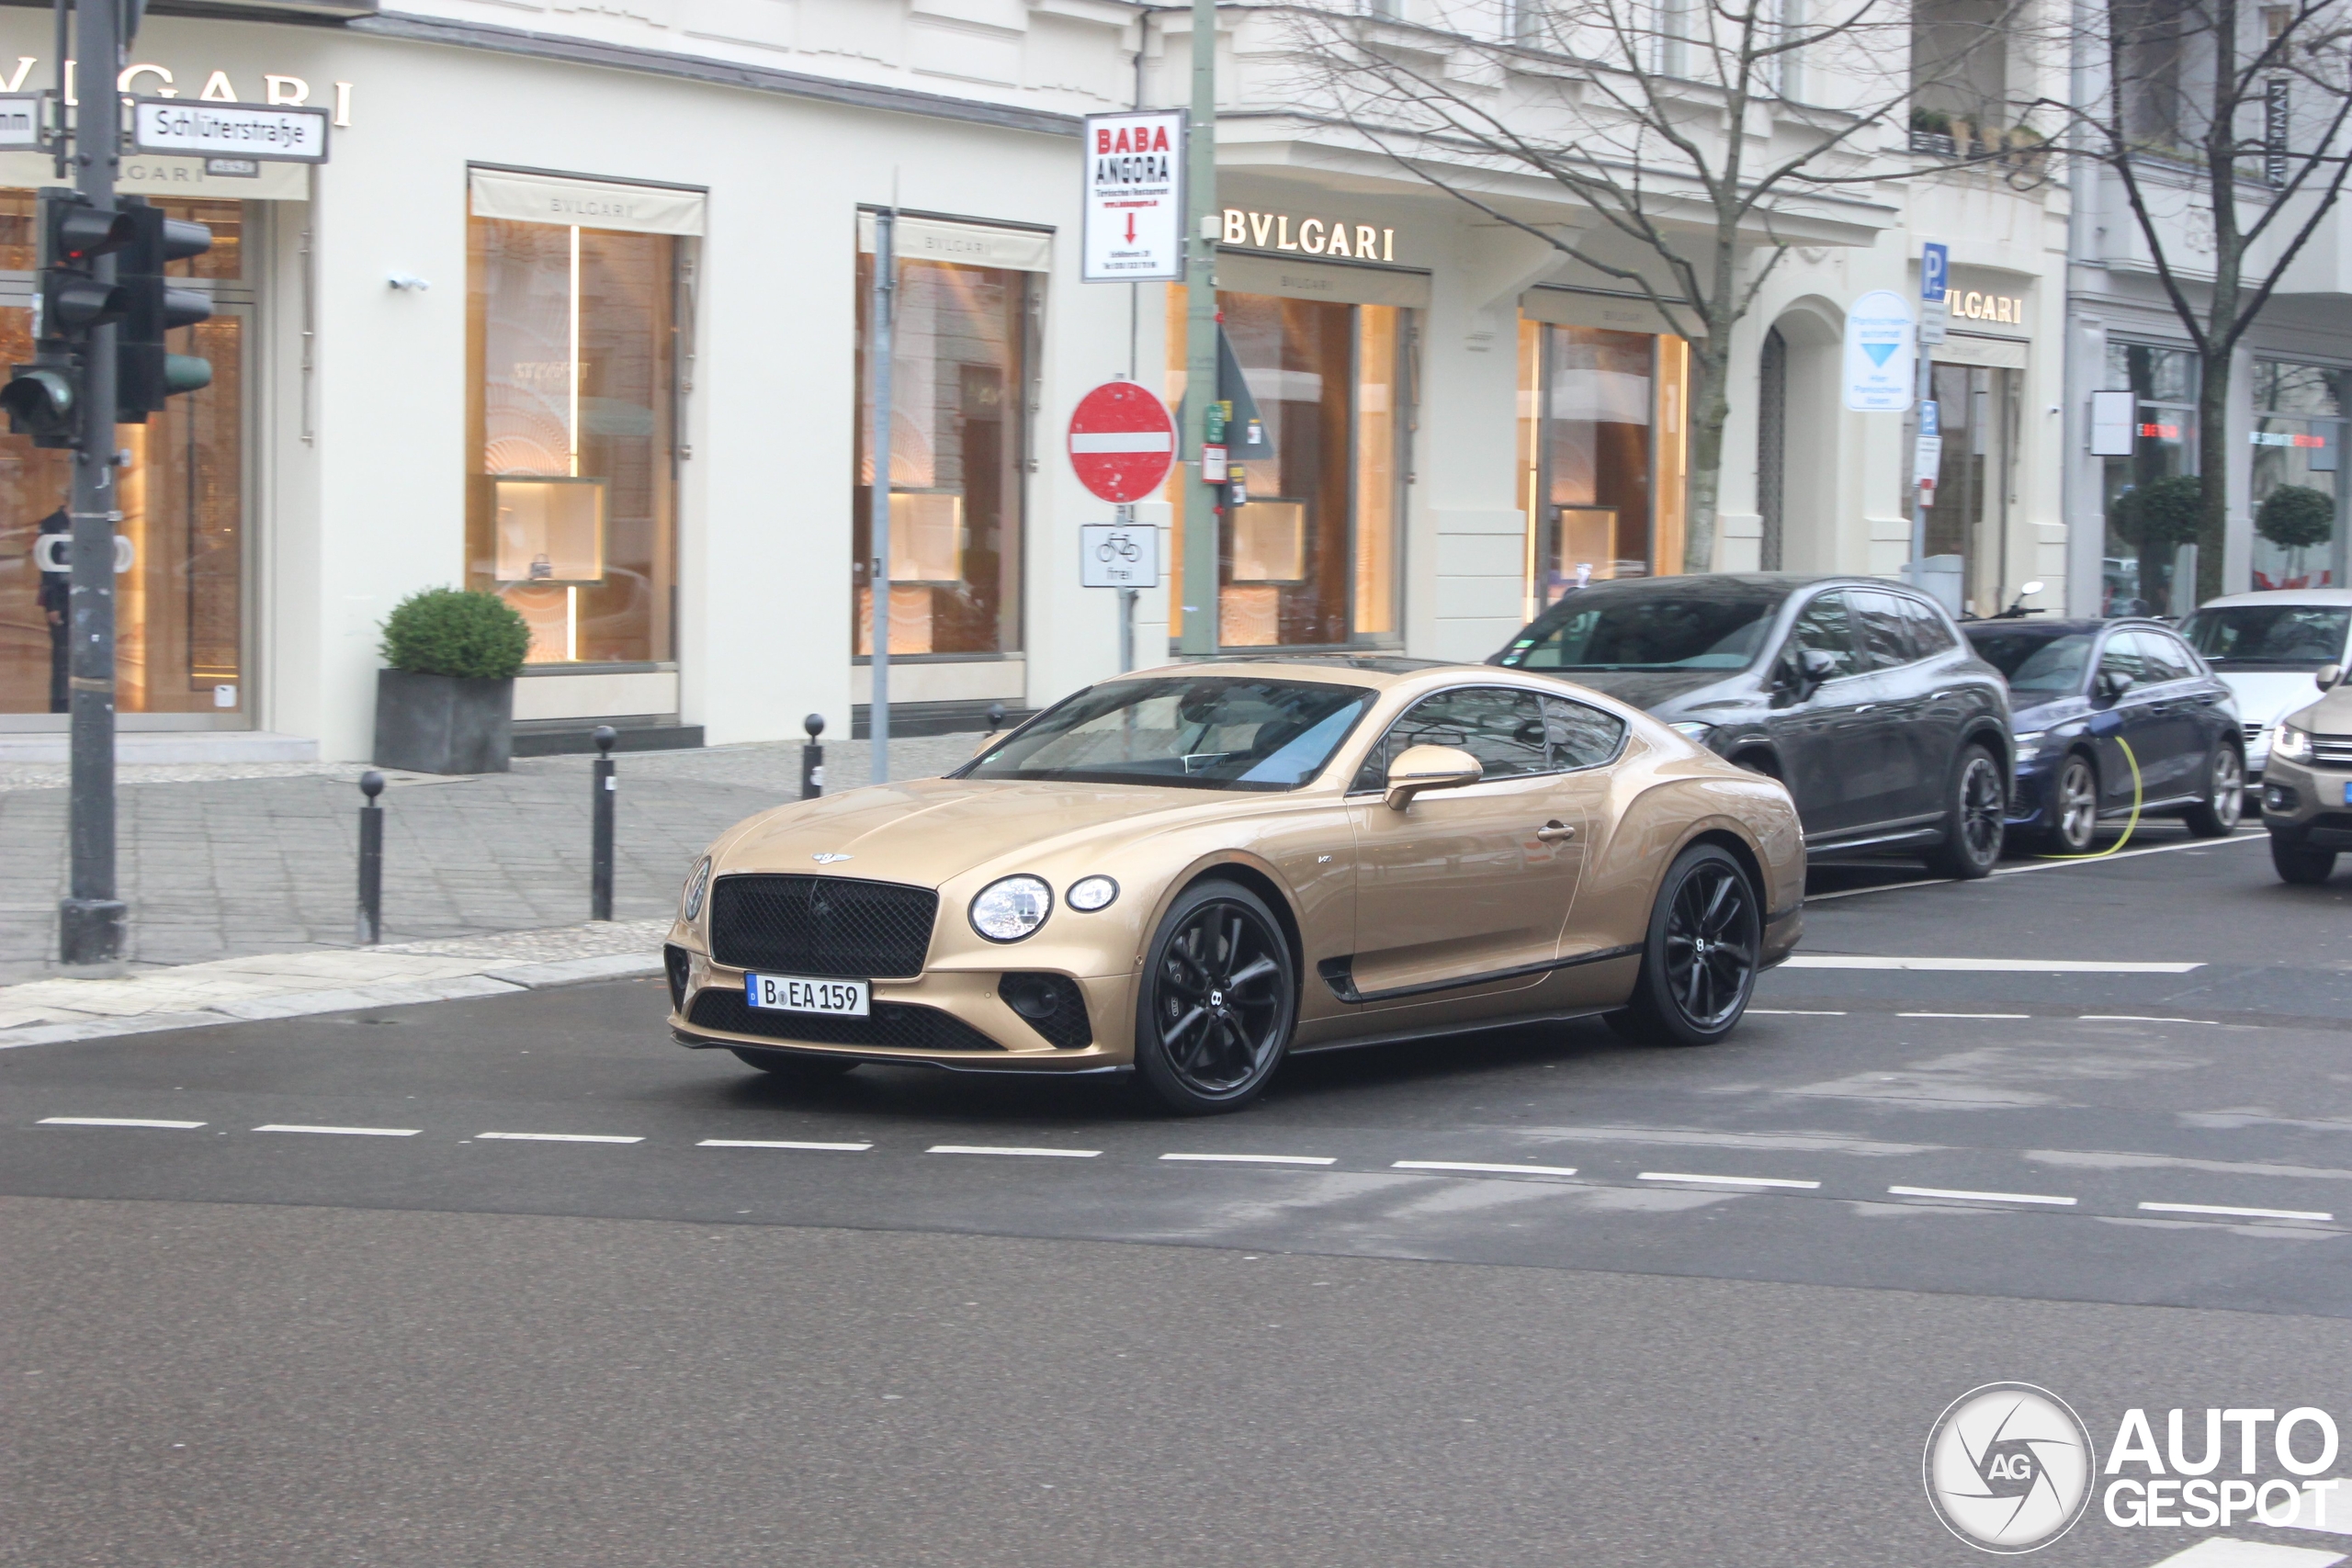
<point>1974,819</point>
<point>2216,816</point>
<point>1217,1002</point>
<point>2074,807</point>
<point>1699,958</point>
<point>2298,863</point>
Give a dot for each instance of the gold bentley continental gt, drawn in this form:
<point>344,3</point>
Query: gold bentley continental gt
<point>1190,873</point>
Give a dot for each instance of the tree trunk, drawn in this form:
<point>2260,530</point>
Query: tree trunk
<point>2214,454</point>
<point>1709,411</point>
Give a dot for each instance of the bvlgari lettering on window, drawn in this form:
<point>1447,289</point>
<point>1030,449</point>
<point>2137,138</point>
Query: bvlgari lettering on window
<point>1321,235</point>
<point>1973,305</point>
<point>148,79</point>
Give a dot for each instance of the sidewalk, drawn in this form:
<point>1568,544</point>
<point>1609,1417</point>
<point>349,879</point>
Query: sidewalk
<point>236,862</point>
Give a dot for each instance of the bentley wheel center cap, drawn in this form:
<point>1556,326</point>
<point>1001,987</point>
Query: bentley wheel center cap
<point>1216,998</point>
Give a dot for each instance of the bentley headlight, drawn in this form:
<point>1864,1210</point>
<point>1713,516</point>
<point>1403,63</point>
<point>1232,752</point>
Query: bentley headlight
<point>1089,894</point>
<point>2294,745</point>
<point>1012,908</point>
<point>697,884</point>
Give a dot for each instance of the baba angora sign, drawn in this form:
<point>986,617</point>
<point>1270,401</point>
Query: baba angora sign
<point>1135,197</point>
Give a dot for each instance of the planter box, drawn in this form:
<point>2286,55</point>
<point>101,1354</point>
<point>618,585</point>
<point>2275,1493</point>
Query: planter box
<point>439,724</point>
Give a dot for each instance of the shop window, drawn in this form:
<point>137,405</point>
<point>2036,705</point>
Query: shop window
<point>1602,454</point>
<point>1311,559</point>
<point>179,600</point>
<point>1968,522</point>
<point>959,360</point>
<point>2137,581</point>
<point>2298,493</point>
<point>570,511</point>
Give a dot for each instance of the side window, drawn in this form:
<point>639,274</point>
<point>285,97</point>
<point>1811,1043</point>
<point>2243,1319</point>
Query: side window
<point>1885,630</point>
<point>1822,626</point>
<point>1930,633</point>
<point>1580,736</point>
<point>1503,728</point>
<point>2165,659</point>
<point>2122,657</point>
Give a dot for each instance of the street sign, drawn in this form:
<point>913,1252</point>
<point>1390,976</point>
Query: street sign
<point>2112,416</point>
<point>1118,555</point>
<point>1134,230</point>
<point>1935,275</point>
<point>273,132</point>
<point>1880,347</point>
<point>1122,441</point>
<point>21,118</point>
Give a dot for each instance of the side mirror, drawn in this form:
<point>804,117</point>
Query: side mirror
<point>990,738</point>
<point>1815,666</point>
<point>1418,768</point>
<point>2326,676</point>
<point>2110,684</point>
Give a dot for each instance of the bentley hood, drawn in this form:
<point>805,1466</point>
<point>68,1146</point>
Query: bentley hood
<point>927,831</point>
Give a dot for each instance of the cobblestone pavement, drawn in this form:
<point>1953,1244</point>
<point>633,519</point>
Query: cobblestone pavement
<point>228,860</point>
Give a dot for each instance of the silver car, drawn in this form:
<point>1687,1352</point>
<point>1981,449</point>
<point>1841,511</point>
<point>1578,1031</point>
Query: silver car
<point>2266,647</point>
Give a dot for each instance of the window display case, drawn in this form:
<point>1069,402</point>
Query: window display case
<point>551,530</point>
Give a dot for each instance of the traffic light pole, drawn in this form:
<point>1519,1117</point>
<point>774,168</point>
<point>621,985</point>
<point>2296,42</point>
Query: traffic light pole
<point>1204,501</point>
<point>90,920</point>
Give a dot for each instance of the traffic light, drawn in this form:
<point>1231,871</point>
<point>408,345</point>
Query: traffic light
<point>146,374</point>
<point>43,398</point>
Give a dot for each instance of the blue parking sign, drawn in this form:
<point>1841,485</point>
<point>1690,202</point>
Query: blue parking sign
<point>1935,266</point>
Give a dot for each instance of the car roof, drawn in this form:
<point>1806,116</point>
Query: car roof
<point>2335,597</point>
<point>2063,625</point>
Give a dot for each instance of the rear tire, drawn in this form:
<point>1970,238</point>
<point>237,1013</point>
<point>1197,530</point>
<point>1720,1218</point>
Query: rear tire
<point>1699,960</point>
<point>1973,820</point>
<point>2297,864</point>
<point>788,1066</point>
<point>2216,816</point>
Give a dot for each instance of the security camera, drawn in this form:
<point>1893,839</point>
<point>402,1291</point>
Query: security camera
<point>408,282</point>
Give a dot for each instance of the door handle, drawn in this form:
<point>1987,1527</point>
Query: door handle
<point>1553,830</point>
<point>1866,708</point>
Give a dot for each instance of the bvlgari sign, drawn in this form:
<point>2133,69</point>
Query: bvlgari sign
<point>228,131</point>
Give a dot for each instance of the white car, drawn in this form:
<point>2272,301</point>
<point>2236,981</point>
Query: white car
<point>2266,646</point>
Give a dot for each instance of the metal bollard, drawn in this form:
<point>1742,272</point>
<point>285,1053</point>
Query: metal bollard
<point>996,717</point>
<point>600,850</point>
<point>370,924</point>
<point>813,759</point>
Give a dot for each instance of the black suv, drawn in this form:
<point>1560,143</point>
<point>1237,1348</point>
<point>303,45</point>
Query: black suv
<point>1857,693</point>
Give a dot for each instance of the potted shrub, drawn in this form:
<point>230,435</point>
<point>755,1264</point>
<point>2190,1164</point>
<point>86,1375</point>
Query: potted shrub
<point>1931,132</point>
<point>446,706</point>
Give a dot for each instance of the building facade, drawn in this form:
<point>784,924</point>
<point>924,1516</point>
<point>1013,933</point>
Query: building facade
<point>577,310</point>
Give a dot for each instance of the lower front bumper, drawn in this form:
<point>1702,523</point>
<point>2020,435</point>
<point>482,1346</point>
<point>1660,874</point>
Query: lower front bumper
<point>2307,806</point>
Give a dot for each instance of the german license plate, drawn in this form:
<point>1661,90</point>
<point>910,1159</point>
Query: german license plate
<point>794,993</point>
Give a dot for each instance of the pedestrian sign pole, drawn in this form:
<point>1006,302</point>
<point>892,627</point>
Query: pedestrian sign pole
<point>1927,447</point>
<point>1204,501</point>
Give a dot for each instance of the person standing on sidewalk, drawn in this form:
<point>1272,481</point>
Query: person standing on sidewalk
<point>56,600</point>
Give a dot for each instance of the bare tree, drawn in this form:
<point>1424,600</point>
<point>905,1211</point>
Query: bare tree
<point>2225,124</point>
<point>1697,131</point>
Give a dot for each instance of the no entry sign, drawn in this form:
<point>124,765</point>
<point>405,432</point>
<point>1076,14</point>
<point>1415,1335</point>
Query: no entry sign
<point>1121,441</point>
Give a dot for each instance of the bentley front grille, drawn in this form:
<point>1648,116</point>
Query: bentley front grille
<point>832,926</point>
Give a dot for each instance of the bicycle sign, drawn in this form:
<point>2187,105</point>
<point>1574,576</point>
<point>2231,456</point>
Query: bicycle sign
<point>1118,555</point>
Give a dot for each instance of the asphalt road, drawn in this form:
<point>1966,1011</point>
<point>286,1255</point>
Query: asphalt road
<point>1705,1312</point>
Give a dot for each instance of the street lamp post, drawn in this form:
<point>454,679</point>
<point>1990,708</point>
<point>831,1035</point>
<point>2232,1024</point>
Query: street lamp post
<point>1204,501</point>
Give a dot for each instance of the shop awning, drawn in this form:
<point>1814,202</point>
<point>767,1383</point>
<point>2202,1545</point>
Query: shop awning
<point>587,204</point>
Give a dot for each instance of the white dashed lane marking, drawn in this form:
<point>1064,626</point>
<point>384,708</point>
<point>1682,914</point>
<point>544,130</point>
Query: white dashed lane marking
<point>781,1143</point>
<point>994,1149</point>
<point>1985,966</point>
<point>1257,1159</point>
<point>117,1122</point>
<point>344,1131</point>
<point>560,1137</point>
<point>1981,1197</point>
<point>2228,1211</point>
<point>1963,1015</point>
<point>1477,1169</point>
<point>1730,1180</point>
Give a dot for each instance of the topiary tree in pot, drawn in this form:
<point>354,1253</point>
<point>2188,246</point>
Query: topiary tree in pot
<point>446,704</point>
<point>2296,517</point>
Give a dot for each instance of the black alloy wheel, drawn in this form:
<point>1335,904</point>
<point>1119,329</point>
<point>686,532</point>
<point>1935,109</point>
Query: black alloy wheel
<point>2074,807</point>
<point>1974,820</point>
<point>791,1066</point>
<point>1217,1002</point>
<point>2297,862</point>
<point>1699,963</point>
<point>2216,816</point>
